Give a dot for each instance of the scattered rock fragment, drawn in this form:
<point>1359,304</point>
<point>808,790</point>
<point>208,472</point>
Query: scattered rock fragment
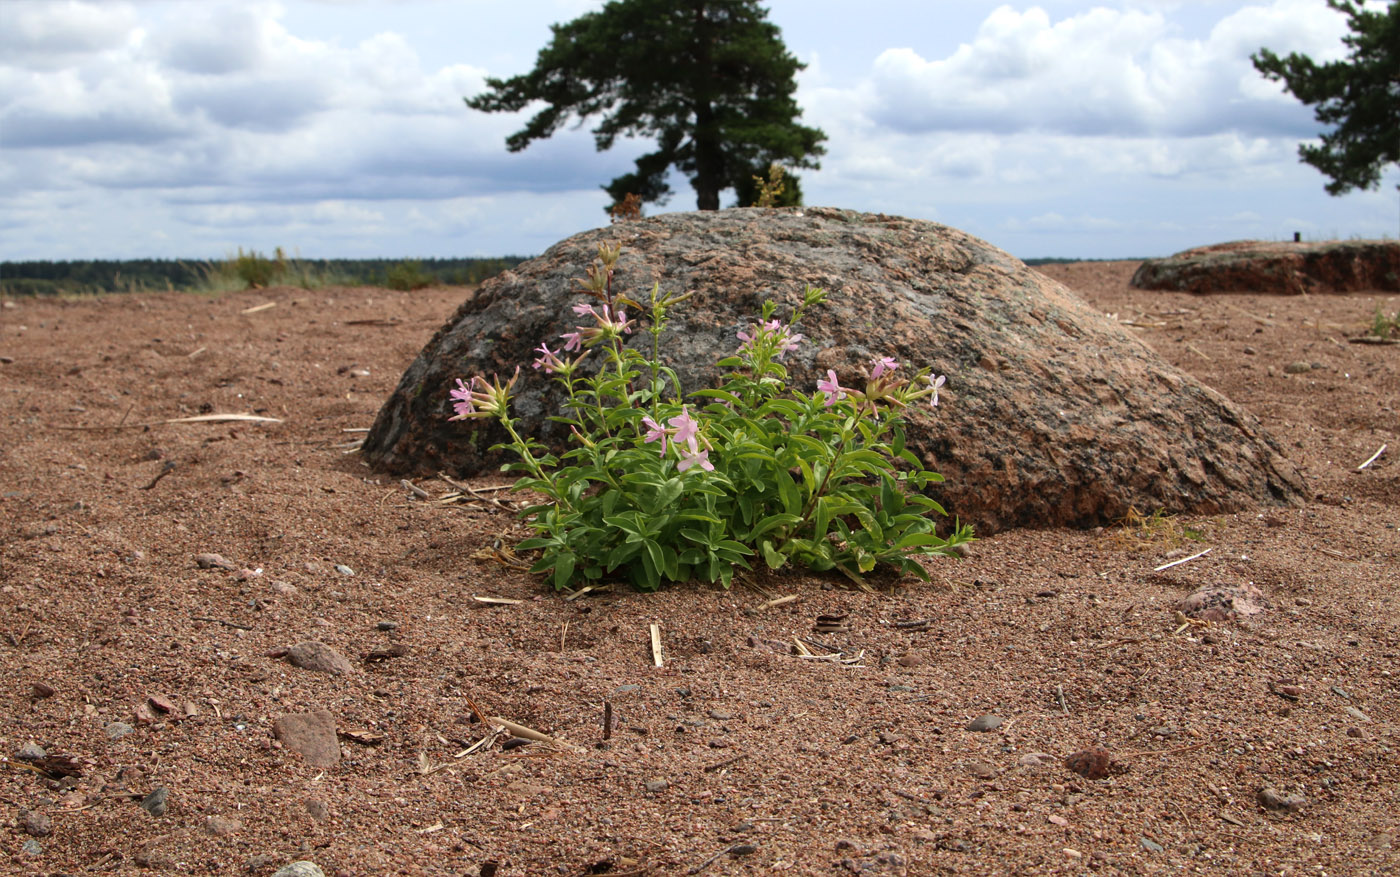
<point>35,824</point>
<point>312,735</point>
<point>32,847</point>
<point>317,809</point>
<point>987,722</point>
<point>319,657</point>
<point>214,561</point>
<point>656,785</point>
<point>1356,714</point>
<point>1224,603</point>
<point>299,869</point>
<point>31,752</point>
<point>223,826</point>
<point>117,730</point>
<point>157,803</point>
<point>1090,763</point>
<point>1297,368</point>
<point>41,690</point>
<point>345,571</point>
<point>1272,799</point>
<point>981,769</point>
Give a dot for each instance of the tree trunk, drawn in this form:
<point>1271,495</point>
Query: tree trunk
<point>709,152</point>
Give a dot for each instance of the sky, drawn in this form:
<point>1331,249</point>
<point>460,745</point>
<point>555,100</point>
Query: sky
<point>337,128</point>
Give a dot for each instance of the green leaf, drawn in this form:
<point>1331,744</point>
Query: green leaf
<point>563,570</point>
<point>773,558</point>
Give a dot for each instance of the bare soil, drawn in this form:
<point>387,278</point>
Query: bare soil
<point>759,744</point>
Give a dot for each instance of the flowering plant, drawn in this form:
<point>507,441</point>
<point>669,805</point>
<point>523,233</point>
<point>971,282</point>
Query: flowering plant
<point>660,489</point>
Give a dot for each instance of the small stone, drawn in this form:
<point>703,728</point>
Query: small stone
<point>514,743</point>
<point>284,589</point>
<point>386,626</point>
<point>743,850</point>
<point>312,735</point>
<point>117,730</point>
<point>1355,733</point>
<point>1151,845</point>
<point>299,869</point>
<point>214,561</point>
<point>35,824</point>
<point>1057,819</point>
<point>157,802</point>
<point>721,715</point>
<point>910,659</point>
<point>1273,799</point>
<point>41,690</point>
<point>1090,763</point>
<point>345,571</point>
<point>1356,714</point>
<point>31,752</point>
<point>1297,368</point>
<point>317,809</point>
<point>32,847</point>
<point>222,826</point>
<point>981,770</point>
<point>656,785</point>
<point>161,703</point>
<point>987,722</point>
<point>1249,351</point>
<point>319,657</point>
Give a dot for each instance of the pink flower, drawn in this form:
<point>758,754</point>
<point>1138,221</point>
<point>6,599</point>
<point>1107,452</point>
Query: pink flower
<point>789,343</point>
<point>574,341</point>
<point>685,427</point>
<point>655,431</point>
<point>695,457</point>
<point>463,394</point>
<point>832,388</point>
<point>582,309</point>
<point>934,383</point>
<point>548,360</point>
<point>882,364</point>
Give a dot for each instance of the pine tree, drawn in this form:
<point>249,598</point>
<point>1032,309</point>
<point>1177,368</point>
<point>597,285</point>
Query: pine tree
<point>1360,96</point>
<point>709,80</point>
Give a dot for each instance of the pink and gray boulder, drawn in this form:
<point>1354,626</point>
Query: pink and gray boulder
<point>1052,414</point>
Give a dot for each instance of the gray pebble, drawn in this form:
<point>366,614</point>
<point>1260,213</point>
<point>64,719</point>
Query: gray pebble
<point>1297,368</point>
<point>1149,844</point>
<point>156,802</point>
<point>345,571</point>
<point>32,847</point>
<point>387,625</point>
<point>656,785</point>
<point>721,715</point>
<point>117,730</point>
<point>299,869</point>
<point>988,722</point>
<point>31,752</point>
<point>1357,714</point>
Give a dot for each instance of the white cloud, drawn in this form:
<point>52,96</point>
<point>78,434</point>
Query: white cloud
<point>1103,72</point>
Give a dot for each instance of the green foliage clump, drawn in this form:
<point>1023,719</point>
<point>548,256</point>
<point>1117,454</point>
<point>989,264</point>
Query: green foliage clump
<point>710,80</point>
<point>1359,95</point>
<point>1385,327</point>
<point>407,276</point>
<point>657,489</point>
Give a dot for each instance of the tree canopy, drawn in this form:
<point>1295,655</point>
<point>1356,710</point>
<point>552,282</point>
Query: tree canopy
<point>1360,96</point>
<point>709,80</point>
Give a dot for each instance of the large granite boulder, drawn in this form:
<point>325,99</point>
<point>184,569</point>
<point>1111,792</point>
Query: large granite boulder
<point>1276,267</point>
<point>1052,414</point>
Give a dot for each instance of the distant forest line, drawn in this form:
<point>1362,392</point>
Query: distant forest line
<point>100,276</point>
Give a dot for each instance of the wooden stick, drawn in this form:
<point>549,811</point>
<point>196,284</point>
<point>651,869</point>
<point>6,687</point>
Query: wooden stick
<point>414,489</point>
<point>776,601</point>
<point>1182,560</point>
<point>1373,458</point>
<point>255,308</point>
<point>711,768</point>
<point>520,730</point>
<point>607,720</point>
<point>656,644</point>
<point>224,418</point>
